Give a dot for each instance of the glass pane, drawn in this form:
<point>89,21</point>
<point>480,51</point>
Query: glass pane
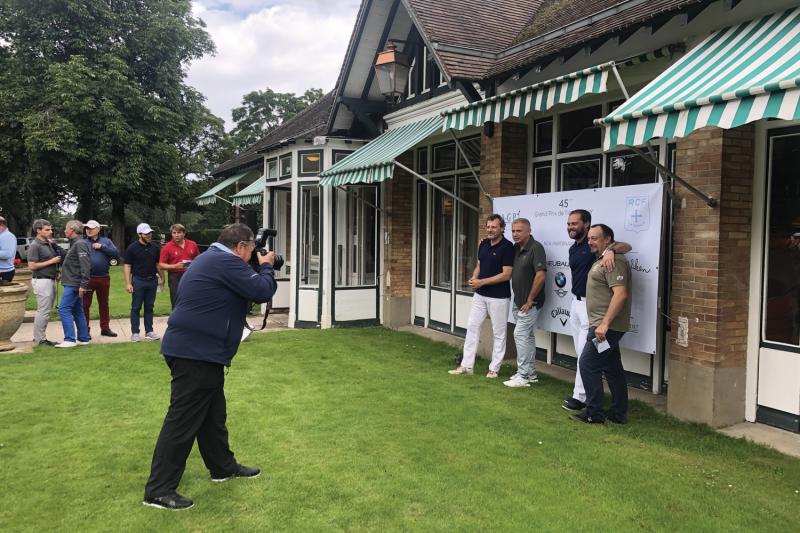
<point>580,175</point>
<point>444,157</point>
<point>578,131</point>
<point>422,160</point>
<point>272,170</point>
<point>543,134</point>
<point>356,236</point>
<point>472,147</point>
<point>782,306</point>
<point>286,166</point>
<point>631,169</point>
<point>310,236</point>
<point>422,231</point>
<point>541,179</point>
<point>443,211</point>
<point>282,206</point>
<point>467,232</point>
<point>338,156</point>
<point>310,163</point>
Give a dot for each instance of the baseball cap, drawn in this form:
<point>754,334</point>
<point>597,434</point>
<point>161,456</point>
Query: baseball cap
<point>93,224</point>
<point>144,227</point>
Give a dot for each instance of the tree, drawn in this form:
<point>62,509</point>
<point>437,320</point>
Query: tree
<point>98,99</point>
<point>263,111</point>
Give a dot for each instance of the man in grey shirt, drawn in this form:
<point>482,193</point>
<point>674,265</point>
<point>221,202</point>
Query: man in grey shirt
<point>43,259</point>
<point>75,280</point>
<point>527,282</point>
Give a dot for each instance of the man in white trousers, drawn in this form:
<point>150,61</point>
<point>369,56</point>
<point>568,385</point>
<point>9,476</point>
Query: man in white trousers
<point>490,280</point>
<point>581,259</point>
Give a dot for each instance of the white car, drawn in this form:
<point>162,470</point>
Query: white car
<point>22,247</point>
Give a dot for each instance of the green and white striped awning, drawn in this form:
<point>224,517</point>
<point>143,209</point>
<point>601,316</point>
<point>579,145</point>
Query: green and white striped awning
<point>374,162</point>
<point>252,194</point>
<point>735,76</point>
<point>210,196</point>
<point>543,95</point>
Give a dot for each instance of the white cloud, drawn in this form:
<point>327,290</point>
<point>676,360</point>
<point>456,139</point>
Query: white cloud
<point>288,46</point>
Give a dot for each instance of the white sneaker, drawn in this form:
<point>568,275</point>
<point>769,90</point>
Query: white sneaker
<point>460,370</point>
<point>66,344</point>
<point>517,381</point>
<point>151,336</point>
<point>135,337</point>
<point>83,343</point>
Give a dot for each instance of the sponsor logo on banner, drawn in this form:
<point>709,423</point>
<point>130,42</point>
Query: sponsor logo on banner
<point>561,282</point>
<point>637,213</point>
<point>561,314</point>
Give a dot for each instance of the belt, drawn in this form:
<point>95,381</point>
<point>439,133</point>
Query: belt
<point>579,298</point>
<point>145,278</point>
<point>43,277</point>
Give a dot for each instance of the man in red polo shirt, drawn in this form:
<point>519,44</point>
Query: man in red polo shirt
<point>176,256</point>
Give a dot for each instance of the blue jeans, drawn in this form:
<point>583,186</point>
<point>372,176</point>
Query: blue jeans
<point>144,293</point>
<point>71,312</point>
<point>593,365</point>
<point>525,340</point>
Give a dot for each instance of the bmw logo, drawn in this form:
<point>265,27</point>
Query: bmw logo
<point>561,280</point>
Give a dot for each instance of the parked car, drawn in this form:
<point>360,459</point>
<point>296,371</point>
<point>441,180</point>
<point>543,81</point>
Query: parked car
<point>22,247</point>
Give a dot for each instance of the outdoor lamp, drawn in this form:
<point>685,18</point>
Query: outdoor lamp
<point>391,69</point>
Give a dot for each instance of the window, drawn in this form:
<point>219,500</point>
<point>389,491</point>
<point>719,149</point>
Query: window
<point>356,248</point>
<point>422,231</point>
<point>339,155</point>
<point>272,170</point>
<point>543,137</point>
<point>471,147</point>
<point>580,174</point>
<point>282,223</point>
<point>285,166</point>
<point>422,160</point>
<point>577,129</point>
<point>542,178</point>
<point>443,219</point>
<point>310,163</point>
<point>627,168</point>
<point>444,157</point>
<point>468,227</point>
<point>309,235</point>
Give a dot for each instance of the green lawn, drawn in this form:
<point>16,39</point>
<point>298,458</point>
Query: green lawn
<point>363,429</point>
<point>119,300</point>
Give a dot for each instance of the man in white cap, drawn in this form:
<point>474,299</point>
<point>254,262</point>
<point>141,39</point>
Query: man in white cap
<point>143,278</point>
<point>101,252</point>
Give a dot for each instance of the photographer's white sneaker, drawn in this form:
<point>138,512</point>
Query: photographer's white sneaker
<point>135,337</point>
<point>151,336</point>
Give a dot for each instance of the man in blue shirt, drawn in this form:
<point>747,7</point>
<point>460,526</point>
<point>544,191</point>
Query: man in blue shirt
<point>8,251</point>
<point>101,252</point>
<point>581,259</point>
<point>490,279</point>
<point>203,335</point>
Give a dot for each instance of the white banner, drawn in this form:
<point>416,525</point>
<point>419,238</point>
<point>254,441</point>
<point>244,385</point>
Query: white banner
<point>633,212</point>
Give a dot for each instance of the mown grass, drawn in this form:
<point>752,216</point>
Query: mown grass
<point>119,300</point>
<point>362,429</point>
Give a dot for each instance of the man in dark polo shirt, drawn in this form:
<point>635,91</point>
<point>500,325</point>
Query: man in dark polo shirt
<point>143,279</point>
<point>176,255</point>
<point>581,260</point>
<point>43,259</point>
<point>527,281</point>
<point>608,303</point>
<point>490,279</point>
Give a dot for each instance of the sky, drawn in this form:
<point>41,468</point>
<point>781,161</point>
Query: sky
<point>286,45</point>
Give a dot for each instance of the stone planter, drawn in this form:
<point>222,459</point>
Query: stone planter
<point>24,275</point>
<point>12,311</point>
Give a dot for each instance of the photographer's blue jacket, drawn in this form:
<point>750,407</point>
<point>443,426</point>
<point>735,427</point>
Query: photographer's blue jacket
<point>209,314</point>
<point>101,257</point>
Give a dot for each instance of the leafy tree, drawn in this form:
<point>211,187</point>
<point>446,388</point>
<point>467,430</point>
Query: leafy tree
<point>263,111</point>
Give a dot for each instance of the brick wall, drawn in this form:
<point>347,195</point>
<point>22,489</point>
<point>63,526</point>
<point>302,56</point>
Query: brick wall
<point>711,258</point>
<point>504,163</point>
<point>398,195</point>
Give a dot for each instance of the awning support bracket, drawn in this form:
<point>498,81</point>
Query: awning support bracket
<point>471,168</point>
<point>709,200</point>
<point>437,187</point>
<point>362,200</point>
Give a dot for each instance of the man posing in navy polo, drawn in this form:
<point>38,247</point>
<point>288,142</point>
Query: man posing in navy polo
<point>581,259</point>
<point>142,279</point>
<point>203,334</point>
<point>490,279</point>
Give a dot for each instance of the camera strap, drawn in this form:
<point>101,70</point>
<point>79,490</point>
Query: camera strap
<point>263,322</point>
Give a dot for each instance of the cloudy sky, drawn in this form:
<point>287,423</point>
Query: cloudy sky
<point>286,45</point>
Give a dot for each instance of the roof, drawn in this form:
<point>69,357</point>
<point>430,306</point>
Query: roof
<point>307,124</point>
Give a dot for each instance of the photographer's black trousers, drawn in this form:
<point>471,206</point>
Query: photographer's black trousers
<point>197,409</point>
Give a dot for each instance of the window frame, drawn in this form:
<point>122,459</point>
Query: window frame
<point>301,154</point>
<point>281,159</point>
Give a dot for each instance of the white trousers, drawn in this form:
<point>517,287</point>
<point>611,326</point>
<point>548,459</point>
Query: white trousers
<point>579,324</point>
<point>45,291</point>
<point>497,310</point>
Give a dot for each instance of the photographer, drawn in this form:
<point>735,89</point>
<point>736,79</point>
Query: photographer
<point>203,334</point>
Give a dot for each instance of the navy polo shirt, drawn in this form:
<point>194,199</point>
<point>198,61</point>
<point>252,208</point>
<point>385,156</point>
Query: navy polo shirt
<point>492,260</point>
<point>581,259</point>
<point>143,259</point>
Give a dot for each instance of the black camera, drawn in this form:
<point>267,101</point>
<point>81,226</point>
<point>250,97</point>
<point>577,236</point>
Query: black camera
<point>264,242</point>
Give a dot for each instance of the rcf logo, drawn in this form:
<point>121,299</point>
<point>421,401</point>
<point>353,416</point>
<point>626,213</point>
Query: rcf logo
<point>561,282</point>
<point>560,312</point>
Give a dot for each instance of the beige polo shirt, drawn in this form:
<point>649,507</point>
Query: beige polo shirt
<point>598,292</point>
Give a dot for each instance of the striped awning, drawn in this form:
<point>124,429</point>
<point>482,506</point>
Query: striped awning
<point>735,76</point>
<point>543,95</point>
<point>210,196</point>
<point>374,162</point>
<point>252,194</point>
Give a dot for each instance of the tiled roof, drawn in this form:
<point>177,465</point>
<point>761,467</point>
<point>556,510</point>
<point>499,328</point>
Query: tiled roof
<point>307,124</point>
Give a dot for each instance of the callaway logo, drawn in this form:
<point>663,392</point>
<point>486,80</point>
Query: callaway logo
<point>559,312</point>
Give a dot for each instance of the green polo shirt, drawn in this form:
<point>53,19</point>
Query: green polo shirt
<point>528,260</point>
<point>598,292</point>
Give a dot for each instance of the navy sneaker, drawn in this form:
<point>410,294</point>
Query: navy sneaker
<point>617,419</point>
<point>573,404</point>
<point>173,502</point>
<point>588,419</point>
<point>241,471</point>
